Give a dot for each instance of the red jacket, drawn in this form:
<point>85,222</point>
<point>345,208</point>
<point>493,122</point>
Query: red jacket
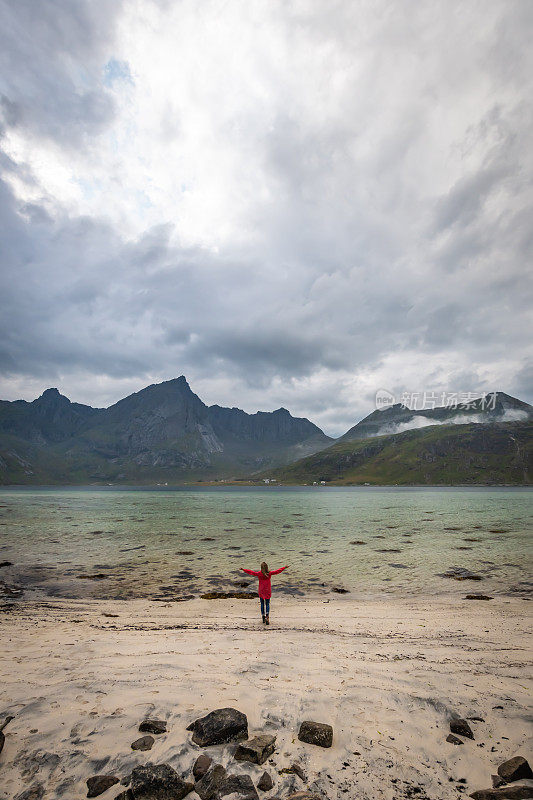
<point>265,589</point>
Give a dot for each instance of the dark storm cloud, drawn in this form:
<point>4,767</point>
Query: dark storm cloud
<point>361,264</point>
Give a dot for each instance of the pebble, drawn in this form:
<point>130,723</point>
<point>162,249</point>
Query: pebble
<point>454,739</point>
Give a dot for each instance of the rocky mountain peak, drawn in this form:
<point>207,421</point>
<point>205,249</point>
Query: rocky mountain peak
<point>51,400</point>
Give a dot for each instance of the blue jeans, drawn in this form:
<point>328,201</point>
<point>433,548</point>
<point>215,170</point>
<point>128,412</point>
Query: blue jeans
<point>265,604</point>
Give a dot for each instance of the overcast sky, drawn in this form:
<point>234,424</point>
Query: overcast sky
<point>292,203</point>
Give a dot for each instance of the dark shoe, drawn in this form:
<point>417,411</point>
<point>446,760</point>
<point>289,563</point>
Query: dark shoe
<point>267,620</point>
<point>264,619</point>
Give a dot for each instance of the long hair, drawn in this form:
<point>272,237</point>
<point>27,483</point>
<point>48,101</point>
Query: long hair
<point>264,569</point>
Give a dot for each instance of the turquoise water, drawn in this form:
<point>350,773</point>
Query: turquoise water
<point>167,544</point>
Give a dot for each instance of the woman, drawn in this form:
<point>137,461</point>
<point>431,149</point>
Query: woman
<point>265,588</point>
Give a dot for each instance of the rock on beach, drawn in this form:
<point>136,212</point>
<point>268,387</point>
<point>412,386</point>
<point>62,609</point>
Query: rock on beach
<point>153,726</point>
<point>98,784</point>
<point>461,728</point>
<point>515,769</point>
<point>144,743</point>
<point>504,793</point>
<point>219,726</point>
<point>201,765</point>
<point>317,733</point>
<point>257,749</point>
<point>158,782</point>
<point>265,782</point>
<point>236,787</point>
<point>451,739</point>
<point>210,781</point>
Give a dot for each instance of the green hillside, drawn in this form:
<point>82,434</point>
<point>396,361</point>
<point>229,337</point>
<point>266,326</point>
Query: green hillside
<point>475,454</point>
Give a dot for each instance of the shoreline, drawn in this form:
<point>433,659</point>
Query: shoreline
<point>229,484</point>
<point>385,673</point>
<point>456,585</point>
<point>15,595</point>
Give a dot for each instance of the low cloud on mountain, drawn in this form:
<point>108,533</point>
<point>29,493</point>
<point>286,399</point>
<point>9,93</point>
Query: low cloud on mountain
<point>418,421</point>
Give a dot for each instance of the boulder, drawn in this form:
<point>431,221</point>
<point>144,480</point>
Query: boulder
<point>265,782</point>
<point>144,743</point>
<point>98,784</point>
<point>201,765</point>
<point>220,726</point>
<point>239,787</point>
<point>257,749</point>
<point>158,782</point>
<point>454,739</point>
<point>153,726</point>
<point>515,769</point>
<point>504,793</point>
<point>461,727</point>
<point>317,733</point>
<point>207,786</point>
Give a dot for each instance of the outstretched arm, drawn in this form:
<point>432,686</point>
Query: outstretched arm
<point>277,571</point>
<point>251,572</point>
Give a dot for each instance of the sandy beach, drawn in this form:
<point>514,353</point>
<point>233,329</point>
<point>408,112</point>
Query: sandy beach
<point>79,676</point>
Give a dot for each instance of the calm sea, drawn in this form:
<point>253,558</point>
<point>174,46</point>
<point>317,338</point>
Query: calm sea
<point>167,544</point>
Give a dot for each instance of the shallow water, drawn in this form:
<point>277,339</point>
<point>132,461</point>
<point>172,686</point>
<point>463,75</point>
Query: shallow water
<point>168,544</point>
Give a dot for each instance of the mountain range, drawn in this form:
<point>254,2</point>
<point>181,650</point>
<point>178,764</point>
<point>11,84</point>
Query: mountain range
<point>166,434</point>
<point>163,433</point>
<point>491,408</point>
<point>485,441</point>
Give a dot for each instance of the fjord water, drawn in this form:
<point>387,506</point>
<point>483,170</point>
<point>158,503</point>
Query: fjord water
<point>169,544</point>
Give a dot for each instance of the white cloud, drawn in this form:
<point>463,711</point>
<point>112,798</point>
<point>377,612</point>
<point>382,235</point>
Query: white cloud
<point>290,204</point>
<point>419,421</point>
